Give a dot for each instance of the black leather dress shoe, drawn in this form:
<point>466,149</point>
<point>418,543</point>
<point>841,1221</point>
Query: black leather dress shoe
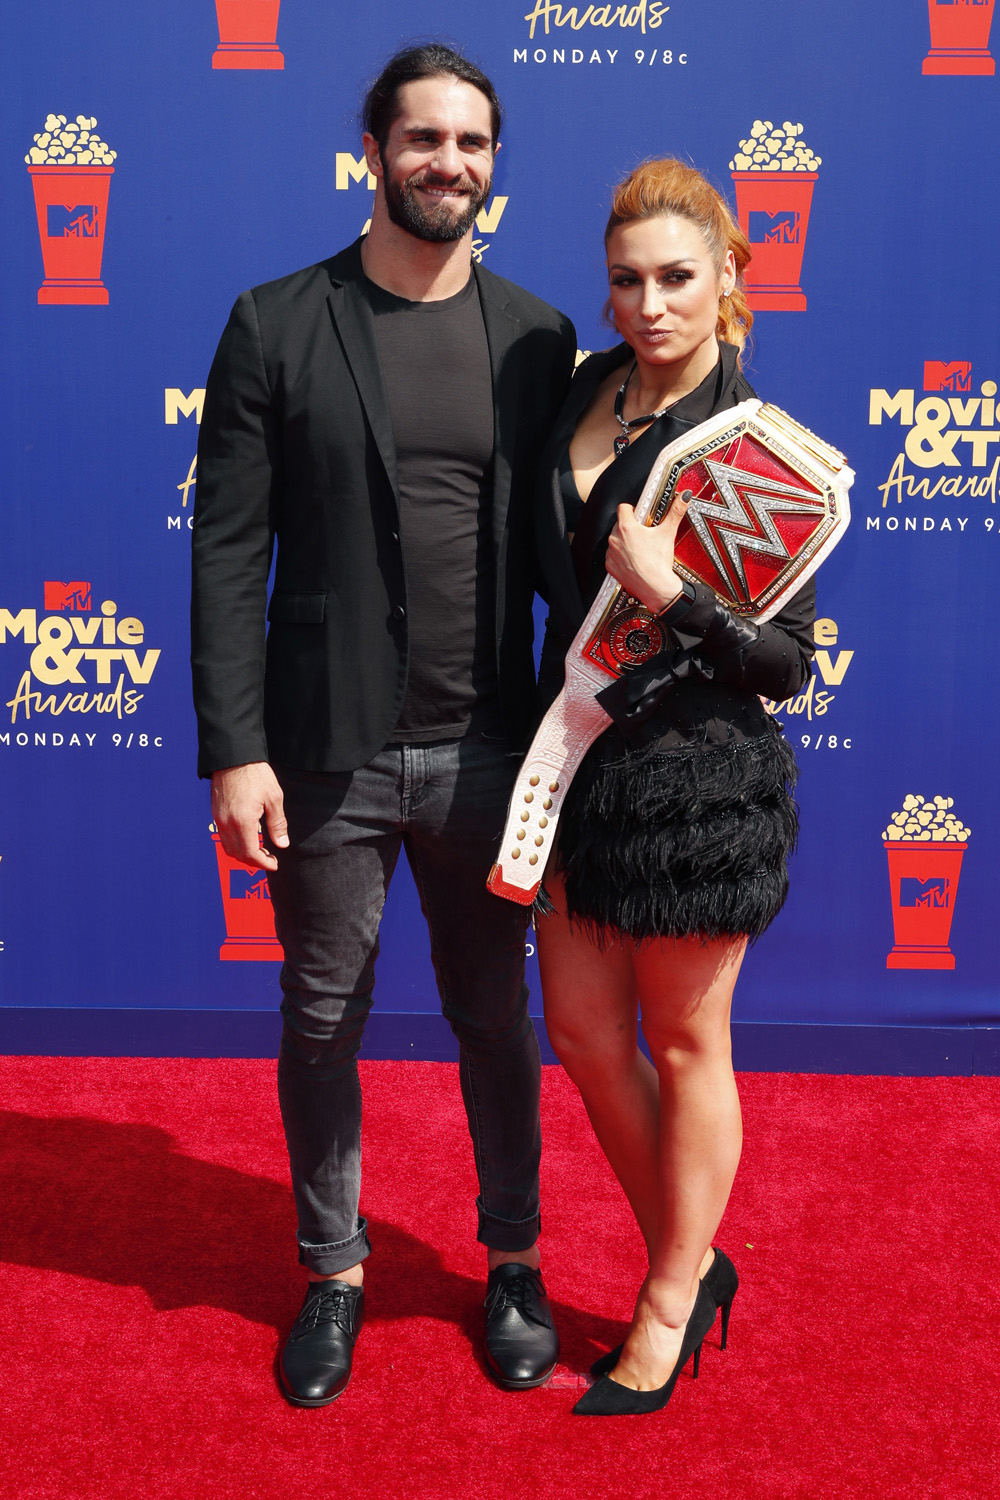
<point>521,1341</point>
<point>316,1360</point>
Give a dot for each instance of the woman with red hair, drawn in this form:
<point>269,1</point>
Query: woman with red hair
<point>674,836</point>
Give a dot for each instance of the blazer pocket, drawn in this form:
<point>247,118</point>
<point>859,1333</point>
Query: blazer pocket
<point>296,609</point>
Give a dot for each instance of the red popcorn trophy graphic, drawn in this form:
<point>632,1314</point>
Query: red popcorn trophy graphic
<point>924,843</point>
<point>248,31</point>
<point>246,902</point>
<point>71,170</point>
<point>774,172</point>
<point>960,38</point>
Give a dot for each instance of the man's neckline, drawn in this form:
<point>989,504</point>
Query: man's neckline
<point>377,291</point>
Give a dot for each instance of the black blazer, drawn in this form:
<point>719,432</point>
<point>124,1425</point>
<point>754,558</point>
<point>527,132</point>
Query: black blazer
<point>725,662</point>
<point>296,443</point>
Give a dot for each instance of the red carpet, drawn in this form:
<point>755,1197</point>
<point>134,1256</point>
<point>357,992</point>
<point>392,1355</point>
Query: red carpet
<point>148,1271</point>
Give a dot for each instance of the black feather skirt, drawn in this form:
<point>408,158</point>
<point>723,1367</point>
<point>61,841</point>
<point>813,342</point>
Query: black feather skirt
<point>679,842</point>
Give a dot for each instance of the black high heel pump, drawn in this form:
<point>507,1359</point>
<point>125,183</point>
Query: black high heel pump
<point>609,1399</point>
<point>720,1281</point>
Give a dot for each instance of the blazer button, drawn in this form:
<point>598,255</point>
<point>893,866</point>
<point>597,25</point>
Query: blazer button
<point>398,612</point>
<point>395,536</point>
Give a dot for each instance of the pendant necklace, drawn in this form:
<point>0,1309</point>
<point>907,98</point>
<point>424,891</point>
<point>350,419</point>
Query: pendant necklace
<point>622,441</point>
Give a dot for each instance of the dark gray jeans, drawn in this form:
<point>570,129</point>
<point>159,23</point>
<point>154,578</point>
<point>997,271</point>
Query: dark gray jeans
<point>445,804</point>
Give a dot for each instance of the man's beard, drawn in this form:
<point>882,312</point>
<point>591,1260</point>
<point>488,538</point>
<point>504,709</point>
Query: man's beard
<point>439,225</point>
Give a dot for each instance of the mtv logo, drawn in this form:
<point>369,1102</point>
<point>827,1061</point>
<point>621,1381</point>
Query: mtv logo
<point>933,892</point>
<point>248,885</point>
<point>939,376</point>
<point>781,228</point>
<point>63,596</point>
<point>78,222</point>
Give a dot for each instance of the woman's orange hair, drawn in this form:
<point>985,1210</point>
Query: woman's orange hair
<point>663,188</point>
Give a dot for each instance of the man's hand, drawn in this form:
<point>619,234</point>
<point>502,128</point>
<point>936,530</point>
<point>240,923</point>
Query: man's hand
<point>243,797</point>
<point>641,558</point>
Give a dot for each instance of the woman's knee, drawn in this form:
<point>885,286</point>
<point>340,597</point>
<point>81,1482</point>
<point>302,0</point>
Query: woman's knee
<point>586,1048</point>
<point>679,1047</point>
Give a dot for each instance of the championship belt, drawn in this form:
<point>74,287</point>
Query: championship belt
<point>770,504</point>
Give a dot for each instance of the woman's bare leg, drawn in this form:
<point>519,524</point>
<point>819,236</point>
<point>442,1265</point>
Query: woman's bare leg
<point>685,988</point>
<point>591,1014</point>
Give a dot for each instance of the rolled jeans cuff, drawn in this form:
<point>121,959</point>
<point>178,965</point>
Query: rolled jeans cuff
<point>507,1234</point>
<point>327,1260</point>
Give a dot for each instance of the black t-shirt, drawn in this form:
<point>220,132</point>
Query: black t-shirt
<point>436,370</point>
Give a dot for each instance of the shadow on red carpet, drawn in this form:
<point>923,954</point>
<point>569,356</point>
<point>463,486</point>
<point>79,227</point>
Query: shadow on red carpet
<point>134,1211</point>
<point>149,1273</point>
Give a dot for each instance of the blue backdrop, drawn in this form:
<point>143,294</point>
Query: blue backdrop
<point>237,161</point>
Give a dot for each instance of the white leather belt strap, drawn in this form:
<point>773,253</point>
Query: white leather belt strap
<point>564,736</point>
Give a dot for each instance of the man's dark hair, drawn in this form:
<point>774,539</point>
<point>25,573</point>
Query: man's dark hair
<point>433,60</point>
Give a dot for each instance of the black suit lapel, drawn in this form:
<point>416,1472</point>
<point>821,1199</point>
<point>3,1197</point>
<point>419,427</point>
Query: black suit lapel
<point>581,393</point>
<point>564,591</point>
<point>621,483</point>
<point>624,479</point>
<point>502,328</point>
<point>355,324</point>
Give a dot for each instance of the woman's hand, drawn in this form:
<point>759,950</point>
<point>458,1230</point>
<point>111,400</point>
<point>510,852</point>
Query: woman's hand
<point>641,558</point>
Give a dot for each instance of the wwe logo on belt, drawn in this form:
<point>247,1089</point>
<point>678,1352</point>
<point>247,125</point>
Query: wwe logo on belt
<point>745,524</point>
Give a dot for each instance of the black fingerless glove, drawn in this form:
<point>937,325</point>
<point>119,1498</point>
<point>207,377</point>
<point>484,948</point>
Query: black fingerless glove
<point>699,618</point>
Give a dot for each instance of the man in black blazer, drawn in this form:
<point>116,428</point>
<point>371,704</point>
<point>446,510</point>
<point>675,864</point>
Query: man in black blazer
<point>380,416</point>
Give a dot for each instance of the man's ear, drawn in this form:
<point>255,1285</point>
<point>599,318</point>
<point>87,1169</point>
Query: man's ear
<point>370,147</point>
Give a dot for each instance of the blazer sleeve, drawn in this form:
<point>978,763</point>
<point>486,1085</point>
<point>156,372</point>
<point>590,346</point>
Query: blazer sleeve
<point>238,486</point>
<point>773,660</point>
